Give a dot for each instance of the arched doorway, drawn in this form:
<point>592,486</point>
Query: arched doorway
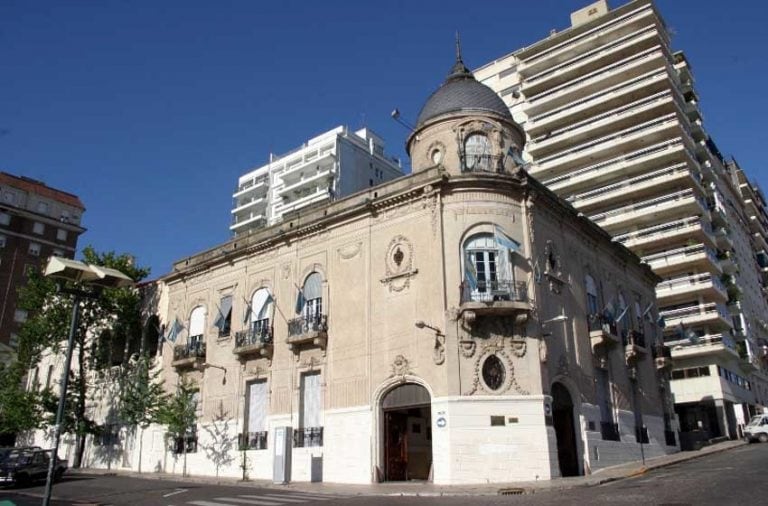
<point>407,437</point>
<point>563,420</point>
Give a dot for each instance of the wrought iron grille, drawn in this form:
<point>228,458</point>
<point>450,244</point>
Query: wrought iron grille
<point>253,440</point>
<point>192,349</point>
<point>307,323</point>
<point>496,290</point>
<point>259,333</point>
<point>308,436</point>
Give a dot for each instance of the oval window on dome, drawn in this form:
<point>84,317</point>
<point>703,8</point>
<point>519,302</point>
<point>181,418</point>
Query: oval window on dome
<point>494,372</point>
<point>436,156</point>
<point>477,153</point>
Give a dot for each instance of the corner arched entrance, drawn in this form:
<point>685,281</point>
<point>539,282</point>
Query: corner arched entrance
<point>407,433</point>
<point>563,420</point>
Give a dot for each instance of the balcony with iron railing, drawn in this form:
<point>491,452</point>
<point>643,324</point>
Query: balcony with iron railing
<point>662,357</point>
<point>603,332</point>
<point>704,284</point>
<point>634,345</point>
<point>255,340</point>
<point>482,163</point>
<point>497,297</point>
<point>257,184</point>
<point>682,203</point>
<point>304,179</point>
<point>711,344</point>
<point>308,329</point>
<point>190,354</point>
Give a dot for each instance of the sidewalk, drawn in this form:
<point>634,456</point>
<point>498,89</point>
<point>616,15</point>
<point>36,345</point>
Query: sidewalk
<point>429,489</point>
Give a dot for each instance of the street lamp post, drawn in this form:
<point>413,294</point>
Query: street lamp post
<point>99,277</point>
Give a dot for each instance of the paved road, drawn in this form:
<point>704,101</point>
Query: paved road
<point>737,476</point>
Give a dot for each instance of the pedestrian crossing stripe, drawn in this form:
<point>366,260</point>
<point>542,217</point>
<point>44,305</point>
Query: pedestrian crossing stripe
<point>263,500</point>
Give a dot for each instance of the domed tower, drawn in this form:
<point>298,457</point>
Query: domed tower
<point>465,127</point>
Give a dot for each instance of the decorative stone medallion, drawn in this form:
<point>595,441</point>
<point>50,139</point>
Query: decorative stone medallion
<point>398,263</point>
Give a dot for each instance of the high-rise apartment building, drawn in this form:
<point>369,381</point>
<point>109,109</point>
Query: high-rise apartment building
<point>332,165</point>
<point>613,125</point>
<point>36,221</point>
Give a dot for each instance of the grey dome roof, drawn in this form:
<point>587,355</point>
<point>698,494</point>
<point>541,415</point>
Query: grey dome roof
<point>462,92</point>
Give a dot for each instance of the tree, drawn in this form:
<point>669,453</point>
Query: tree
<point>179,415</point>
<point>20,410</point>
<point>110,321</point>
<point>142,397</point>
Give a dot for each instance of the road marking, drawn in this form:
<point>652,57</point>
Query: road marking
<point>178,491</point>
<point>211,503</point>
<point>283,498</point>
<point>249,501</point>
<point>304,495</point>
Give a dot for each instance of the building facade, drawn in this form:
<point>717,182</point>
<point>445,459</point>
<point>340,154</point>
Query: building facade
<point>332,165</point>
<point>36,221</point>
<point>613,126</point>
<point>453,325</point>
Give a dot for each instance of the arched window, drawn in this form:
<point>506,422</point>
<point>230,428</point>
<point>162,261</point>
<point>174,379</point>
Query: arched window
<point>488,274</point>
<point>477,152</point>
<point>196,326</point>
<point>310,301</point>
<point>261,314</point>
<point>591,289</point>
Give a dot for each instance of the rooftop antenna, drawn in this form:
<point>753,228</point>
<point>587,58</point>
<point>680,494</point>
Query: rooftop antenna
<point>458,47</point>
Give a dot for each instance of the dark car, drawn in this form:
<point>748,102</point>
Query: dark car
<point>22,466</point>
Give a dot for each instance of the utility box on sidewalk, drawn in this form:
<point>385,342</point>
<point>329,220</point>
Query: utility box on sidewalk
<point>282,455</point>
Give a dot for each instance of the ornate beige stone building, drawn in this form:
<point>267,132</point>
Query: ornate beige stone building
<point>453,325</point>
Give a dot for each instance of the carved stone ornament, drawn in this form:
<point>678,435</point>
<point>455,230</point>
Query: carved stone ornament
<point>519,346</point>
<point>467,348</point>
<point>553,268</point>
<point>350,251</point>
<point>430,202</point>
<point>285,271</point>
<point>500,372</point>
<point>438,353</point>
<point>398,264</point>
<point>400,366</point>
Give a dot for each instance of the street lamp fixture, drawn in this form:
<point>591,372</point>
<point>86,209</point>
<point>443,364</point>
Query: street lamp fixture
<point>96,276</point>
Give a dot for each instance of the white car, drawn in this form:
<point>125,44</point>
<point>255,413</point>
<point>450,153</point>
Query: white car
<point>757,429</point>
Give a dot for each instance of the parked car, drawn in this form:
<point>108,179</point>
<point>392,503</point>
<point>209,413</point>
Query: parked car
<point>757,429</point>
<point>22,466</point>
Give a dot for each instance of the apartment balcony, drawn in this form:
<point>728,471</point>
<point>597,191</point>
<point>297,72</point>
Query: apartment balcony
<point>586,42</point>
<point>309,330</point>
<point>309,162</point>
<point>257,340</point>
<point>684,288</point>
<point>258,203</point>
<point>624,166</point>
<point>603,333</point>
<point>664,208</point>
<point>723,238</point>
<point>711,315</point>
<point>609,147</point>
<point>683,67</point>
<point>670,234</point>
<point>297,180</point>
<point>635,346</point>
<point>642,186</point>
<point>189,355</point>
<point>714,345</point>
<point>590,61</point>
<point>616,119</point>
<point>256,186</point>
<point>583,108</point>
<point>252,219</point>
<point>307,197</point>
<point>697,257</point>
<point>727,261</point>
<point>606,77</point>
<point>759,241</point>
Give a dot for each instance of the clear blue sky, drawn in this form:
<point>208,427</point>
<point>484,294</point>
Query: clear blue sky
<point>150,110</point>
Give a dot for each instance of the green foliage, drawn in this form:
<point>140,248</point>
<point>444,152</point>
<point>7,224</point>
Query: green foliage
<point>178,414</point>
<point>142,397</point>
<point>20,410</point>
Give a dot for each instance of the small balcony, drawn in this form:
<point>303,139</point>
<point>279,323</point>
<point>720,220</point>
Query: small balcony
<point>189,355</point>
<point>662,357</point>
<point>482,163</point>
<point>711,314</point>
<point>682,288</point>
<point>497,297</point>
<point>710,345</point>
<point>602,331</point>
<point>308,330</point>
<point>257,340</point>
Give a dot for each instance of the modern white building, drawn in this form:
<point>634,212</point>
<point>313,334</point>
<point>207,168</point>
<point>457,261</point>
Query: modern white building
<point>613,125</point>
<point>332,165</point>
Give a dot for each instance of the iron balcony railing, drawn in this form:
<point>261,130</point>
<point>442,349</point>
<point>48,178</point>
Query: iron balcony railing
<point>308,436</point>
<point>253,440</point>
<point>307,323</point>
<point>259,333</point>
<point>610,431</point>
<point>599,322</point>
<point>634,337</point>
<point>192,349</point>
<point>496,290</point>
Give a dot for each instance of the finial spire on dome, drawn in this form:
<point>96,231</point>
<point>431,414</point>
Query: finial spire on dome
<point>459,70</point>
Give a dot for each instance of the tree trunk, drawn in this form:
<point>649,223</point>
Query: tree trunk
<point>141,445</point>
<point>80,406</point>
